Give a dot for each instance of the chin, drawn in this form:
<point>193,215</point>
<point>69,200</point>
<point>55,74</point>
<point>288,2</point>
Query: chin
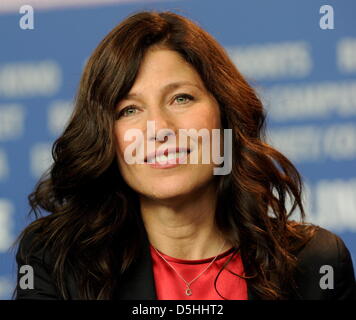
<point>174,187</point>
<point>165,185</point>
<point>165,191</point>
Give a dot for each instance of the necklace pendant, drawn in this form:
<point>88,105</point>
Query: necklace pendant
<point>188,292</point>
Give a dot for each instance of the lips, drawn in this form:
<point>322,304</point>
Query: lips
<point>165,155</point>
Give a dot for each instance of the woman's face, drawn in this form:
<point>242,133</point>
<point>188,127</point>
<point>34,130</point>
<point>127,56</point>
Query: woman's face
<point>171,93</point>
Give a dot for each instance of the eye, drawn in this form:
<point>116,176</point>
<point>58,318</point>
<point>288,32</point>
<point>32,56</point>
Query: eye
<point>183,98</point>
<point>126,112</point>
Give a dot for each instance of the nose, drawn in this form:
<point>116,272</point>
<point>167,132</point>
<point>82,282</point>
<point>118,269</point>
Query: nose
<point>159,126</point>
<point>161,135</point>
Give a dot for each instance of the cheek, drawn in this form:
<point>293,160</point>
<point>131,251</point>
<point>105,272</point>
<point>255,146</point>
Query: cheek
<point>214,117</point>
<point>207,117</point>
<point>119,134</point>
<point>130,151</point>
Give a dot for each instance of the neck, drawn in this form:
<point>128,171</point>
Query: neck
<point>184,228</point>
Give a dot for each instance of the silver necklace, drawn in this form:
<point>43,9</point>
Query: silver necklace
<point>188,290</point>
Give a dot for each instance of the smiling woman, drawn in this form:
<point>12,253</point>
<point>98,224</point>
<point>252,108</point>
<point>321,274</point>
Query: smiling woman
<point>163,78</point>
<point>168,227</point>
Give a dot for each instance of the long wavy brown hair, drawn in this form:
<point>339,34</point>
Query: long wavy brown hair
<point>91,207</point>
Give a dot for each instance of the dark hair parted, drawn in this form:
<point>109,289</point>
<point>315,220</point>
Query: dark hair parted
<point>94,225</point>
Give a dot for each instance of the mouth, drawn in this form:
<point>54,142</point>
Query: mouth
<point>167,155</point>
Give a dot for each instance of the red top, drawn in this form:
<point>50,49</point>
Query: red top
<point>169,286</point>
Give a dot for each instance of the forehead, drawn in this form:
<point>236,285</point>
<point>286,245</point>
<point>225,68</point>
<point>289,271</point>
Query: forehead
<point>160,66</point>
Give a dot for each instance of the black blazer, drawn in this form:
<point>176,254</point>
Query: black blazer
<point>325,248</point>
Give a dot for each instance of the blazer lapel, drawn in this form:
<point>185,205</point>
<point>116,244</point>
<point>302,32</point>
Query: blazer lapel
<point>250,293</point>
<point>138,282</point>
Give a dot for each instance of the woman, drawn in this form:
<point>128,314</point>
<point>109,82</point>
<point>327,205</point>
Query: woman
<point>165,227</point>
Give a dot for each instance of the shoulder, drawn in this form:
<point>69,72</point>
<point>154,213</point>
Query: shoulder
<point>325,269</point>
<point>34,268</point>
<point>31,246</point>
<point>324,247</point>
<point>41,259</point>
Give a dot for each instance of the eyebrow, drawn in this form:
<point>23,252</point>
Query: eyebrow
<point>168,87</point>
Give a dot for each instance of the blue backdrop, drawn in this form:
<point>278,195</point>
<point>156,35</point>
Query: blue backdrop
<point>304,73</point>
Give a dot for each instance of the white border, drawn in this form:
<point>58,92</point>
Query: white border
<point>10,6</point>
